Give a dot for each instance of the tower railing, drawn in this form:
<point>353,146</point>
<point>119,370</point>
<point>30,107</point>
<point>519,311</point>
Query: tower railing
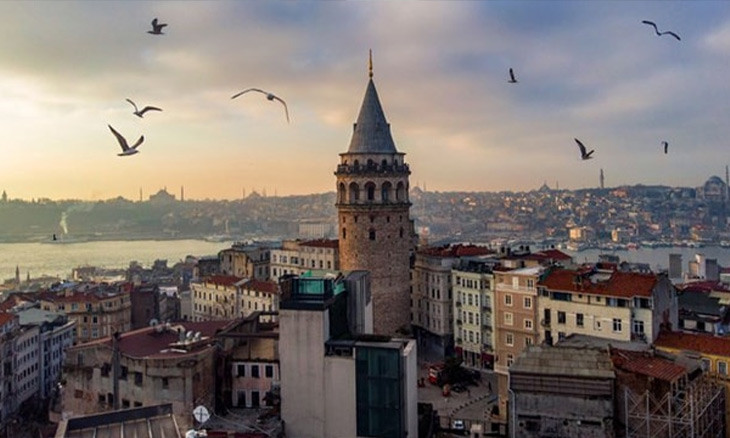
<point>372,168</point>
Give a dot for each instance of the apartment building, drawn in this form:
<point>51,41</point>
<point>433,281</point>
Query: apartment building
<point>9,327</point>
<point>161,364</point>
<point>296,257</point>
<point>516,321</point>
<point>256,295</point>
<point>216,297</point>
<point>99,310</point>
<point>473,289</point>
<point>599,300</point>
<point>245,260</point>
<point>432,296</point>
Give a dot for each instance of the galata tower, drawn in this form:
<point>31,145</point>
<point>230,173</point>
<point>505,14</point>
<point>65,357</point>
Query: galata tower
<point>375,230</point>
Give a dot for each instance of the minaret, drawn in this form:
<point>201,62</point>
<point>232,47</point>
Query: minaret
<point>601,178</point>
<point>182,193</point>
<point>375,229</point>
<point>17,275</point>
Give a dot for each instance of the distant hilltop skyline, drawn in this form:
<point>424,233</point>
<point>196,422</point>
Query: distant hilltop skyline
<point>163,194</point>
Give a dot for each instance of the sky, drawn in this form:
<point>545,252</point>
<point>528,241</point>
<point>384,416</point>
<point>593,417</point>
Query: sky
<point>586,70</point>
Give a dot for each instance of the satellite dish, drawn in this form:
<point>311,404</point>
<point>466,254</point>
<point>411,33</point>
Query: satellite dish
<point>190,335</point>
<point>201,414</point>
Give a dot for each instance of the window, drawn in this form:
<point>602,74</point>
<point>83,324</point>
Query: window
<point>509,339</point>
<point>269,371</point>
<point>528,324</point>
<point>165,383</point>
<point>255,371</point>
<point>371,234</point>
<point>617,324</point>
<point>507,300</point>
<point>510,359</point>
<point>530,283</point>
<point>561,317</point>
<point>722,368</point>
<point>638,327</point>
<point>706,364</point>
<point>528,341</point>
<point>241,370</point>
<point>579,319</point>
<point>138,378</point>
<point>508,318</point>
<point>528,302</point>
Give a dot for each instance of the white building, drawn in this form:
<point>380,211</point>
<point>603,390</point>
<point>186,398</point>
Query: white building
<point>335,382</point>
<point>296,257</point>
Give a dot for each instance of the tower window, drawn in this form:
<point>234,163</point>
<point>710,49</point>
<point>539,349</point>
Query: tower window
<point>344,233</point>
<point>372,219</point>
<point>372,234</point>
<point>370,187</point>
<point>401,231</point>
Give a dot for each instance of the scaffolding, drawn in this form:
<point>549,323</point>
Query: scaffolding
<point>696,410</point>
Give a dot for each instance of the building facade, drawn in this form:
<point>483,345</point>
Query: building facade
<point>216,297</point>
<point>375,229</point>
<point>604,302</point>
<point>296,257</point>
<point>245,260</point>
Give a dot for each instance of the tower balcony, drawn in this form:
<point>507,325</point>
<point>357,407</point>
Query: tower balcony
<point>372,169</point>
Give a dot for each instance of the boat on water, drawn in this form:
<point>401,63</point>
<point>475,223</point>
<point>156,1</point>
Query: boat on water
<point>60,239</point>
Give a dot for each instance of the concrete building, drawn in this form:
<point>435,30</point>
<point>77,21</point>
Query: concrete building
<point>99,310</point>
<point>143,422</point>
<point>473,290</point>
<point>154,365</point>
<point>516,322</point>
<point>56,334</point>
<point>258,296</point>
<point>246,260</point>
<point>335,381</point>
<point>433,307</point>
<point>150,304</point>
<point>251,378</point>
<point>601,301</point>
<point>9,328</point>
<point>216,297</point>
<point>375,229</point>
<point>562,391</point>
<point>296,257</point>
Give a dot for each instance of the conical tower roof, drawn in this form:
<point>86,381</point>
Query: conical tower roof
<point>372,132</point>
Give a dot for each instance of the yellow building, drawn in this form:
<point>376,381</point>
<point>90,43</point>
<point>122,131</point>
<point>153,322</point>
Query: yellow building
<point>99,310</point>
<point>714,352</point>
<point>216,297</point>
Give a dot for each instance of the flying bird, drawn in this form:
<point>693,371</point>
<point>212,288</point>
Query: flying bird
<point>666,146</point>
<point>126,149</point>
<point>512,79</point>
<point>139,113</point>
<point>269,96</point>
<point>666,32</point>
<point>157,27</point>
<point>583,153</point>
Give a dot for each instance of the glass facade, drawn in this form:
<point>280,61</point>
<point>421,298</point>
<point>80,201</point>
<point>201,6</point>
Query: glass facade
<point>379,392</point>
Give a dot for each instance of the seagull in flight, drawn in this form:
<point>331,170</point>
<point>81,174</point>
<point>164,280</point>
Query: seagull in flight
<point>512,79</point>
<point>666,146</point>
<point>139,113</point>
<point>269,96</point>
<point>126,149</point>
<point>666,32</point>
<point>157,28</point>
<point>583,154</point>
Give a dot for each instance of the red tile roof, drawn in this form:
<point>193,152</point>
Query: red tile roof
<point>701,343</point>
<point>149,343</point>
<point>322,243</point>
<point>549,254</point>
<point>262,286</point>
<point>620,284</point>
<point>223,280</point>
<point>642,362</point>
<point>456,251</point>
<point>6,317</point>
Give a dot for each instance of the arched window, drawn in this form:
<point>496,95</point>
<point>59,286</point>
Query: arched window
<point>384,163</point>
<point>341,193</point>
<point>386,190</point>
<point>371,234</point>
<point>356,163</point>
<point>399,189</point>
<point>354,192</point>
<point>371,163</point>
<point>370,187</point>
